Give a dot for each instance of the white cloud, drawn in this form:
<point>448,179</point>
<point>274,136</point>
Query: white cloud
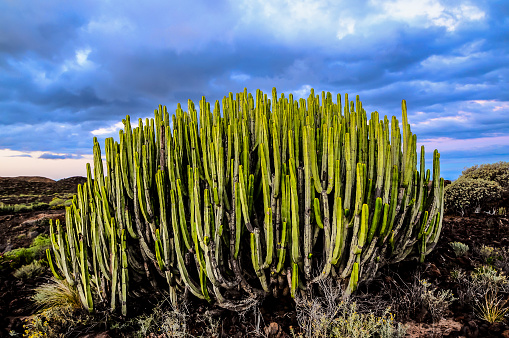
<point>108,130</point>
<point>18,163</point>
<point>290,21</point>
<point>346,27</point>
<point>303,92</point>
<point>240,77</point>
<point>451,144</point>
<point>462,117</point>
<point>430,12</point>
<point>495,105</point>
<point>108,25</point>
<point>82,56</point>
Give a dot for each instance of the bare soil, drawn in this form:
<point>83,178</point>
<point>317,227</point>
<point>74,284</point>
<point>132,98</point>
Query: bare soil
<point>275,317</point>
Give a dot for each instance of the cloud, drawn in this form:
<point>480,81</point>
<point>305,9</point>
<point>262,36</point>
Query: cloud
<point>49,156</point>
<point>73,71</point>
<point>15,163</point>
<point>430,13</point>
<point>471,144</point>
<point>21,155</point>
<point>107,131</point>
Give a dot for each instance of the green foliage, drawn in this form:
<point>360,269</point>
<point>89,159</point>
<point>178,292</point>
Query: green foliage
<point>435,301</point>
<point>60,203</point>
<point>59,310</point>
<point>459,248</point>
<point>15,208</point>
<point>494,172</point>
<point>493,309</point>
<point>29,271</point>
<point>249,196</point>
<point>483,188</point>
<point>24,256</point>
<point>333,316</point>
<point>163,320</point>
<point>481,288</point>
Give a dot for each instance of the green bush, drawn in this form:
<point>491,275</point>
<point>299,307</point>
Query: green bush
<point>483,188</point>
<point>15,208</point>
<point>24,256</point>
<point>459,248</point>
<point>60,203</point>
<point>29,271</point>
<point>496,172</point>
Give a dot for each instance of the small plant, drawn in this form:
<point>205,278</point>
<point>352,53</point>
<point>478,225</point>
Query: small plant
<point>60,310</point>
<point>475,286</point>
<point>502,261</point>
<point>457,274</point>
<point>493,309</point>
<point>459,248</point>
<point>34,269</point>
<point>332,315</point>
<point>162,321</point>
<point>489,277</point>
<point>23,256</point>
<point>15,208</point>
<point>60,203</point>
<point>487,253</point>
<point>57,295</point>
<point>437,303</point>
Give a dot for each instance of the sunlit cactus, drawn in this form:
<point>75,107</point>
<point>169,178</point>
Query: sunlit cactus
<point>248,198</point>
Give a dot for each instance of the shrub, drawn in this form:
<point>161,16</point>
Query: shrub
<point>34,269</point>
<point>436,301</point>
<point>481,287</point>
<point>334,316</point>
<point>459,248</point>
<point>170,322</point>
<point>15,208</point>
<point>60,203</point>
<point>483,188</point>
<point>24,256</point>
<point>495,172</point>
<point>59,311</point>
<point>468,195</point>
<point>493,309</point>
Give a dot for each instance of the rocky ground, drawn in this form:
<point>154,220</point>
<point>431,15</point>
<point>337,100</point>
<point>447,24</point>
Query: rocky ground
<point>275,317</point>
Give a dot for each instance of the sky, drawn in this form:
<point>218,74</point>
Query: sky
<point>72,70</point>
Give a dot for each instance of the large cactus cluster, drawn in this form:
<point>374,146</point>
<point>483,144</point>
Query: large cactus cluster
<point>255,197</point>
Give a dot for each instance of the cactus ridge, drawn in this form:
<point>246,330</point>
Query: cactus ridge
<point>246,198</point>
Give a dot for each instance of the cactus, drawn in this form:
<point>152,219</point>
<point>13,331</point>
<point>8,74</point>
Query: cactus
<point>248,196</point>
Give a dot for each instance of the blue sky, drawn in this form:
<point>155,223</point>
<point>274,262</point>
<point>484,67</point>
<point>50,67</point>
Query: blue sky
<point>72,70</point>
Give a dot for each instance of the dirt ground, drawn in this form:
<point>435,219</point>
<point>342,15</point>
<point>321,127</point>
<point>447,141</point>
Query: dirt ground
<point>19,229</point>
<point>274,315</point>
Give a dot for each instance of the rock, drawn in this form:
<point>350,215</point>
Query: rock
<point>505,334</point>
<point>495,327</point>
<point>273,330</point>
<point>432,270</point>
<point>33,234</point>
<point>470,330</point>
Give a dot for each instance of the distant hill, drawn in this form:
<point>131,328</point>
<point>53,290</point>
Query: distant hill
<point>23,187</point>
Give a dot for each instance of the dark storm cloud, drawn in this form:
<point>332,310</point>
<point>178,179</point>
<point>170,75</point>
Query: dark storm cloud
<point>70,69</point>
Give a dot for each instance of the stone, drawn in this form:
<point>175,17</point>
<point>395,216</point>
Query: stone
<point>273,330</point>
